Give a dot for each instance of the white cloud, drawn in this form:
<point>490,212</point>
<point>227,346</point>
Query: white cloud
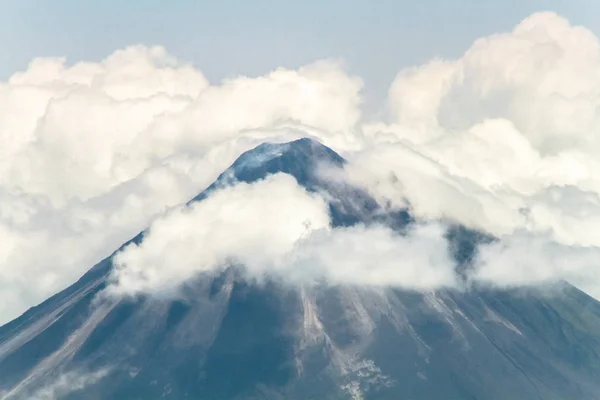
<point>395,173</point>
<point>250,224</point>
<point>65,384</point>
<point>523,259</point>
<point>275,227</point>
<point>503,138</point>
<point>375,256</point>
<point>93,126</point>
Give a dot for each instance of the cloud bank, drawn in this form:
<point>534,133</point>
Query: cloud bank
<point>503,139</point>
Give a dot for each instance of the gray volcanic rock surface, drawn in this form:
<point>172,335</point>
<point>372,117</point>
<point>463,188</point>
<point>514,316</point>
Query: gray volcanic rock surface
<point>229,337</point>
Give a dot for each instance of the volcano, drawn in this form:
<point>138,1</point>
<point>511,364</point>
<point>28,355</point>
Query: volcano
<point>230,337</point>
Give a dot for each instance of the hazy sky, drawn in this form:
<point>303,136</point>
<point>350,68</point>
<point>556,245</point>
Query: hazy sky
<point>224,38</point>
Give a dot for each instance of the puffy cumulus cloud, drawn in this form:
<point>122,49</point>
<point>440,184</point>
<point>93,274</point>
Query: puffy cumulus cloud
<point>274,227</point>
<point>136,72</point>
<point>504,138</point>
<point>91,152</point>
<point>250,224</point>
<point>113,120</point>
<point>543,76</point>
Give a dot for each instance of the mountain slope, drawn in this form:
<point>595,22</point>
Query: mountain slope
<point>230,338</point>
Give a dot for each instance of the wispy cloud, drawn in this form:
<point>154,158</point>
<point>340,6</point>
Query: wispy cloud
<point>61,385</point>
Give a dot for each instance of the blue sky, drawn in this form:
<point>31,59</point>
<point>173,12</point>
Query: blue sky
<point>224,38</point>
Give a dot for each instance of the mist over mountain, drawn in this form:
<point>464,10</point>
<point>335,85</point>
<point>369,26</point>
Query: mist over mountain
<point>231,331</point>
<point>167,235</point>
<point>500,139</point>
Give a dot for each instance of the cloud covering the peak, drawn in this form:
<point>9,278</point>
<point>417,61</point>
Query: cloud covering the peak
<point>503,139</point>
